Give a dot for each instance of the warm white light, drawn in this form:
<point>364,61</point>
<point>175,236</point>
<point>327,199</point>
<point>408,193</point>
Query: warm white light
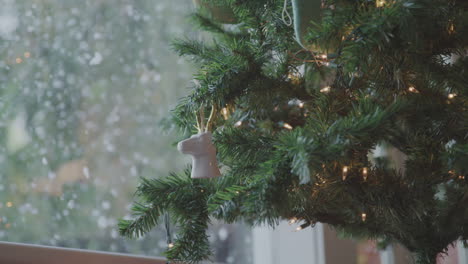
<point>364,173</point>
<point>301,105</point>
<point>292,220</point>
<point>19,60</point>
<point>27,54</point>
<point>461,177</point>
<point>224,111</point>
<point>170,245</point>
<point>238,123</point>
<point>451,95</point>
<point>287,126</point>
<point>412,89</point>
<point>326,89</point>
<point>324,56</point>
<point>380,3</point>
<point>9,204</point>
<point>363,217</point>
<point>451,29</point>
<point>345,172</point>
<point>299,228</point>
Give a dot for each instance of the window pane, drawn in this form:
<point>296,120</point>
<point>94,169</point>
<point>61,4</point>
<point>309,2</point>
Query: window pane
<point>84,85</point>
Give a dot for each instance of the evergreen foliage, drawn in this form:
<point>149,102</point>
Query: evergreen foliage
<point>397,76</point>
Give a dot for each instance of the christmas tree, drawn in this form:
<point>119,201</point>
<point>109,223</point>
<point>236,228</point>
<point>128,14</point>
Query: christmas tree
<point>297,113</point>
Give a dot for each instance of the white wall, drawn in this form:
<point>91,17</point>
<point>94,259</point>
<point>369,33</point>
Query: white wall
<point>284,245</point>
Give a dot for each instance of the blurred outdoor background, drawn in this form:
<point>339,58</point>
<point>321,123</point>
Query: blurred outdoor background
<point>83,88</point>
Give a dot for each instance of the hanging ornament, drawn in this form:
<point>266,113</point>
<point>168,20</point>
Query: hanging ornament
<point>219,12</point>
<point>202,150</point>
<point>304,12</point>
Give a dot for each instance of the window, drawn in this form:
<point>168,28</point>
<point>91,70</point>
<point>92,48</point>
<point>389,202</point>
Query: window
<point>83,87</point>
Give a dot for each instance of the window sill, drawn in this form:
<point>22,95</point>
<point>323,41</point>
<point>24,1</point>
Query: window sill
<point>16,253</point>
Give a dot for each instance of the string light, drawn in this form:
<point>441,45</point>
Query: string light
<point>451,28</point>
<point>461,177</point>
<point>363,217</point>
<point>364,173</point>
<point>287,126</point>
<point>326,89</point>
<point>292,220</point>
<point>224,111</point>
<point>238,123</point>
<point>301,105</point>
<point>412,89</point>
<point>324,56</point>
<point>299,228</point>
<point>380,3</point>
<point>202,191</point>
<point>9,204</point>
<point>345,172</point>
<point>27,54</point>
<point>170,245</point>
<point>451,95</point>
<point>19,60</point>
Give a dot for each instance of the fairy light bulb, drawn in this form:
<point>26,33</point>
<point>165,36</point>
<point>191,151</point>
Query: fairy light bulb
<point>287,126</point>
<point>345,172</point>
<point>364,173</point>
<point>19,60</point>
<point>292,220</point>
<point>411,89</point>
<point>299,228</point>
<point>301,105</point>
<point>451,95</point>
<point>9,204</point>
<point>363,217</point>
<point>380,3</point>
<point>461,177</point>
<point>326,89</point>
<point>27,54</point>
<point>238,123</point>
<point>224,111</point>
<point>170,245</point>
<point>451,28</point>
<point>324,56</point>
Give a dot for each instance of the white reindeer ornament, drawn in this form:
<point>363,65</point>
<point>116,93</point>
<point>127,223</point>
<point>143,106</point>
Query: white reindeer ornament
<point>202,150</point>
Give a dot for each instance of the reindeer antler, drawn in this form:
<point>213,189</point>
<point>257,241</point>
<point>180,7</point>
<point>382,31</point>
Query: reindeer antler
<point>201,119</point>
<point>209,123</point>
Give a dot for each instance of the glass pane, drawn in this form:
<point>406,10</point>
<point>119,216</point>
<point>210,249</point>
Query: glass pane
<point>83,87</point>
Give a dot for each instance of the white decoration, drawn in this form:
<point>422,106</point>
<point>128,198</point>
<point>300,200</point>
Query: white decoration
<point>203,152</point>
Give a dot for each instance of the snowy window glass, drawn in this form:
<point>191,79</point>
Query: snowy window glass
<point>84,85</point>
